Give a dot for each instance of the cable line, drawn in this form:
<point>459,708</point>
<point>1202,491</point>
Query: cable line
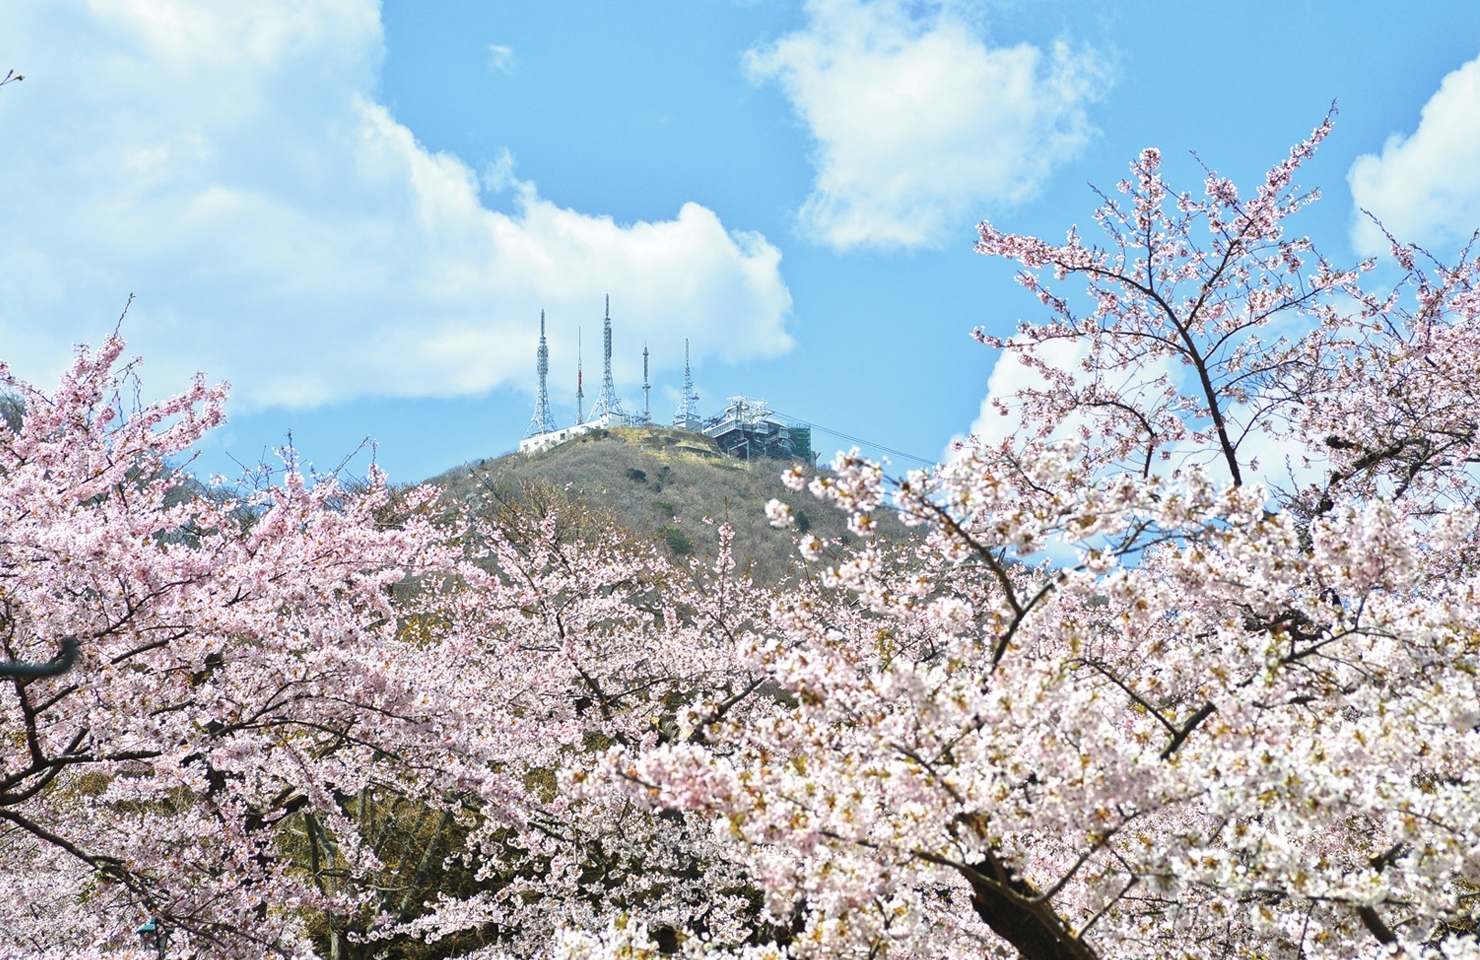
<point>857,440</point>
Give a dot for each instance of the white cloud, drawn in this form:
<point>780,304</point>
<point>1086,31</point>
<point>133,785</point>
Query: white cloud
<point>1009,377</point>
<point>1425,187</point>
<point>918,123</point>
<point>498,175</point>
<point>229,165</point>
<point>501,58</point>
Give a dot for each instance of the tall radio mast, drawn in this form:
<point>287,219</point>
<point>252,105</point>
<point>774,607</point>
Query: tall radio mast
<point>542,421</point>
<point>688,408</point>
<point>607,402</point>
<point>646,387</point>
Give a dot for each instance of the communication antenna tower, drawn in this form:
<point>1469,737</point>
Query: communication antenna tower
<point>646,387</point>
<point>580,392</point>
<point>688,409</point>
<point>607,402</point>
<point>542,421</point>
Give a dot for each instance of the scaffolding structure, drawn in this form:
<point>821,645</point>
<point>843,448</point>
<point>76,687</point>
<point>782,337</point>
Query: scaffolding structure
<point>748,429</point>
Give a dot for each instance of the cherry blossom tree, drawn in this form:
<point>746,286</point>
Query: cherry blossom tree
<point>332,719</point>
<point>230,672</point>
<point>1235,715</point>
<point>546,649</point>
<point>1241,720</point>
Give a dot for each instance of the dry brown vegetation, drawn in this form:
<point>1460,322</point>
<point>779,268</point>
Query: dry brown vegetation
<point>661,483</point>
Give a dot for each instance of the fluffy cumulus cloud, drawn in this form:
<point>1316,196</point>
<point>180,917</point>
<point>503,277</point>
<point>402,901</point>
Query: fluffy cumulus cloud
<point>1008,379</point>
<point>229,164</point>
<point>918,123</point>
<point>1425,188</point>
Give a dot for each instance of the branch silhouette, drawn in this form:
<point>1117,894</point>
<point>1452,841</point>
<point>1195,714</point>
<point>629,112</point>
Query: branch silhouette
<point>58,665</point>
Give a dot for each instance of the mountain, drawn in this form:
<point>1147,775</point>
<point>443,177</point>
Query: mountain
<point>661,483</point>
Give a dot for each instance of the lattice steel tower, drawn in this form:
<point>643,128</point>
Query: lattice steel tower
<point>607,402</point>
<point>542,421</point>
<point>687,416</point>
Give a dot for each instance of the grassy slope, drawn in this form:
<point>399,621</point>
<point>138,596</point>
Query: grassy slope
<point>661,483</point>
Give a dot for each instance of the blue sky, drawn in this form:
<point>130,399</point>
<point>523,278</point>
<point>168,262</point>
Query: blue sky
<point>355,211</point>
